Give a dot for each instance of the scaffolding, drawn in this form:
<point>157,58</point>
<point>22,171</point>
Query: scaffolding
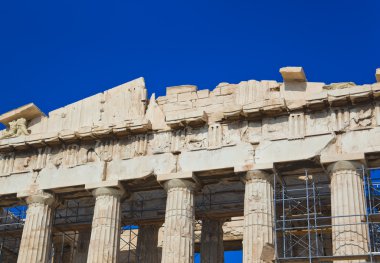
<point>11,225</point>
<point>303,221</point>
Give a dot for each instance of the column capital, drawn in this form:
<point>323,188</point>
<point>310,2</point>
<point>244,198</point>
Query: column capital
<point>180,183</point>
<point>257,174</point>
<point>343,166</point>
<point>108,191</point>
<point>41,197</point>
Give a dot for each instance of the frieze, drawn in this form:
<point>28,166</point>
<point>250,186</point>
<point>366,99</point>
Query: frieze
<point>377,113</point>
<point>196,139</point>
<point>296,125</point>
<point>178,141</point>
<point>318,122</point>
<point>6,163</point>
<point>233,132</point>
<point>160,142</point>
<point>215,136</point>
<point>42,158</point>
<point>340,119</point>
<point>275,128</point>
<point>361,117</point>
<point>253,132</point>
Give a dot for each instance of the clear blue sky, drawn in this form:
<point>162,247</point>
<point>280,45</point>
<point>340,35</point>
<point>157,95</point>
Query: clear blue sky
<point>57,52</point>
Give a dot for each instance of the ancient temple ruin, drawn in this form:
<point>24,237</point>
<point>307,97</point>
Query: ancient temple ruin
<point>282,171</point>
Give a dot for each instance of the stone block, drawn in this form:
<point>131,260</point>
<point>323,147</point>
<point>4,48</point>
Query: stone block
<point>203,93</point>
<point>228,89</point>
<point>180,89</point>
<point>28,112</point>
<point>378,75</point>
<point>183,105</point>
<point>293,74</point>
<point>187,96</point>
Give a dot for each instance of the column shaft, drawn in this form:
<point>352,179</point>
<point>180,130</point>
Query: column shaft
<point>349,230</point>
<point>36,235</point>
<point>105,233</point>
<point>258,215</point>
<point>212,249</point>
<point>178,246</point>
<point>147,244</point>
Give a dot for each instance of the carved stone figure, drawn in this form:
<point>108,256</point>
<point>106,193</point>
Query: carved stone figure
<point>361,117</point>
<point>196,139</point>
<point>16,128</point>
<point>160,142</point>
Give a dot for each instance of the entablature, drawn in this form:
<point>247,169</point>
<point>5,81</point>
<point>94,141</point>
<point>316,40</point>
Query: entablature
<point>120,135</point>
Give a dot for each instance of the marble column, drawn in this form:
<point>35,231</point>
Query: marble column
<point>147,244</point>
<point>35,244</point>
<point>349,230</point>
<point>212,249</point>
<point>178,246</point>
<point>258,215</point>
<point>105,233</point>
<point>81,250</point>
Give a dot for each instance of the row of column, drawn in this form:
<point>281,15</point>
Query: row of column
<point>349,235</point>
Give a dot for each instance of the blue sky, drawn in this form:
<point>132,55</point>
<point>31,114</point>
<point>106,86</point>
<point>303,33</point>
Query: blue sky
<point>57,52</point>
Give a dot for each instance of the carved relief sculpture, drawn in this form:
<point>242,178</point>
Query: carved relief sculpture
<point>196,139</point>
<point>16,128</point>
<point>361,117</point>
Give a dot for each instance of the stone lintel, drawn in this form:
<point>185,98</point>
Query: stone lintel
<point>328,159</point>
<point>181,89</point>
<point>293,74</point>
<point>378,75</point>
<point>28,112</point>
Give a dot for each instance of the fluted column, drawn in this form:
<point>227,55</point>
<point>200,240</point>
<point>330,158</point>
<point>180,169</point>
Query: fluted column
<point>36,235</point>
<point>105,233</point>
<point>349,230</point>
<point>178,246</point>
<point>212,249</point>
<point>81,251</point>
<point>147,244</point>
<point>258,215</point>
